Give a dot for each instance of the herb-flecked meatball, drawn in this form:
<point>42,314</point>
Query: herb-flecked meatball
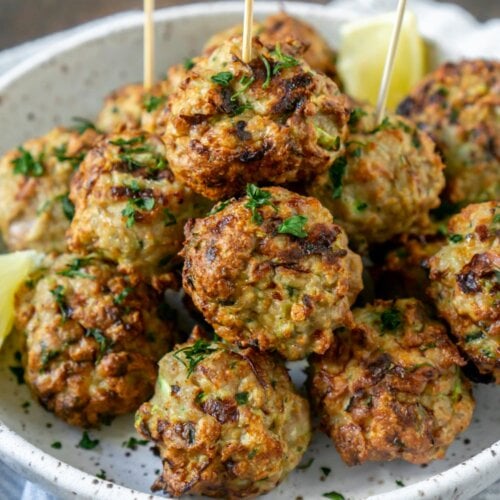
<point>274,120</point>
<point>94,337</point>
<point>465,284</point>
<point>34,187</point>
<point>273,271</point>
<point>132,107</point>
<point>282,28</point>
<point>387,181</point>
<point>459,106</point>
<point>129,208</point>
<point>227,421</point>
<point>391,387</point>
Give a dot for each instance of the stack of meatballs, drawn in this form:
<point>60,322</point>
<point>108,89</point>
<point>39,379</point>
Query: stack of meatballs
<point>275,199</point>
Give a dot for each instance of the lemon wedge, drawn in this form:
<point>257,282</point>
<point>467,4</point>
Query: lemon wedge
<point>14,269</point>
<point>362,53</point>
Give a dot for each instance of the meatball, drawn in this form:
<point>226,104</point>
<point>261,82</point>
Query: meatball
<point>274,120</point>
<point>94,337</point>
<point>228,422</point>
<point>273,271</point>
<point>391,387</point>
<point>132,107</point>
<point>387,181</point>
<point>129,208</point>
<point>282,28</point>
<point>458,105</point>
<point>34,186</point>
<point>465,284</point>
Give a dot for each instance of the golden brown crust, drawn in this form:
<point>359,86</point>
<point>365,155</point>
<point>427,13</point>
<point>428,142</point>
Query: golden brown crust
<point>465,284</point>
<point>391,387</point>
<point>276,291</point>
<point>458,105</point>
<point>386,183</point>
<point>254,127</point>
<point>233,428</point>
<point>129,208</point>
<point>93,339</point>
<point>35,211</point>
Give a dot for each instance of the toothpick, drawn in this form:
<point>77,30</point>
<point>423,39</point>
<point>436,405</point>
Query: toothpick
<point>389,62</point>
<point>149,43</point>
<point>246,53</point>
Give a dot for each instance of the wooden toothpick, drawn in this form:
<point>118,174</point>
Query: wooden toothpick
<point>246,53</point>
<point>149,43</point>
<point>389,62</point>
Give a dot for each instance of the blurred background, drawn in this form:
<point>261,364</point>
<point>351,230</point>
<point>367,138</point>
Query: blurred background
<point>23,20</point>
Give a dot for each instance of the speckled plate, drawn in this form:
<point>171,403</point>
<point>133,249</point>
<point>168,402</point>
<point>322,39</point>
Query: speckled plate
<point>70,80</point>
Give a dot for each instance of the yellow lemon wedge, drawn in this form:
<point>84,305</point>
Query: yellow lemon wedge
<point>14,269</point>
<point>363,49</point>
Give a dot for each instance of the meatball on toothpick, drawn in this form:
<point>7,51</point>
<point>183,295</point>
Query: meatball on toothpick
<point>387,181</point>
<point>459,106</point>
<point>391,386</point>
<point>94,337</point>
<point>273,271</point>
<point>465,284</point>
<point>227,421</point>
<point>274,121</point>
<point>129,208</point>
<point>34,187</point>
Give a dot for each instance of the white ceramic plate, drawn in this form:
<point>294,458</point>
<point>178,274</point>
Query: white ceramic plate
<point>70,80</point>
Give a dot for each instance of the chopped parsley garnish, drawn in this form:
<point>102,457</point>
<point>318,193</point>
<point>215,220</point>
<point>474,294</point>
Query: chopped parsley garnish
<point>333,495</point>
<point>119,299</point>
<point>101,474</point>
<point>355,116</point>
<point>496,219</point>
<point>67,206</point>
<point>294,225</point>
<point>245,82</point>
<point>194,354</point>
<point>18,372</point>
<point>455,238</point>
<point>56,445</point>
<point>284,60</point>
<point>327,141</point>
<point>456,393</point>
<point>241,398</point>
<point>73,268</point>
<point>87,443</point>
<point>169,218</point>
<point>326,471</point>
<point>82,124</point>
<point>98,335</point>
<point>61,155</point>
<point>147,204</point>
<point>267,81</point>
<point>356,153</point>
<point>257,198</point>
<point>454,113</point>
<point>474,336</point>
<point>220,206</point>
<point>199,397</point>
<point>391,319</point>
<point>128,142</point>
<point>361,206</point>
<point>26,404</point>
<point>152,102</point>
<point>133,443</point>
<point>223,78</point>
<point>27,165</point>
<point>336,173</point>
<point>189,64</point>
<point>47,356</point>
<point>385,124</point>
<point>135,154</point>
<point>400,483</point>
<point>58,294</point>
<point>306,465</point>
<point>252,454</point>
<point>415,140</point>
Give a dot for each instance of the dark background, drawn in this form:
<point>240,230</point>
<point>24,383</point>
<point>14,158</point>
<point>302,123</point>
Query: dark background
<point>22,20</point>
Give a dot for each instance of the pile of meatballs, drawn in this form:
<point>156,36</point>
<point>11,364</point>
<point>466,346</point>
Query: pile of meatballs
<point>298,227</point>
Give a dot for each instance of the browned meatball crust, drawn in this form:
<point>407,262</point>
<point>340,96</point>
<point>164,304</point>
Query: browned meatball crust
<point>129,208</point>
<point>227,421</point>
<point>465,284</point>
<point>278,276</point>
<point>34,187</point>
<point>459,106</point>
<point>391,387</point>
<point>274,120</point>
<point>94,337</point>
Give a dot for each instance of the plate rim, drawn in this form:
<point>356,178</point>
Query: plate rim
<point>38,463</point>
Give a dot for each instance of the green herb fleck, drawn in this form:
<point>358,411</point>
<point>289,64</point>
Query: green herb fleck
<point>257,198</point>
<point>67,206</point>
<point>333,495</point>
<point>223,78</point>
<point>336,173</point>
<point>189,64</point>
<point>355,116</point>
<point>26,404</point>
<point>27,165</point>
<point>415,140</point>
<point>400,483</point>
<point>245,82</point>
<point>361,206</point>
<point>47,356</point>
<point>284,60</point>
<point>241,398</point>
<point>455,238</point>
<point>385,124</point>
<point>152,102</point>
<point>130,213</point>
<point>61,155</point>
<point>391,319</point>
<point>267,81</point>
<point>133,443</point>
<point>101,474</point>
<point>474,336</point>
<point>18,372</point>
<point>327,141</point>
<point>194,354</point>
<point>82,124</point>
<point>496,219</point>
<point>326,471</point>
<point>306,465</point>
<point>72,269</point>
<point>119,299</point>
<point>294,225</point>
<point>56,445</point>
<point>252,454</point>
<point>199,397</point>
<point>58,294</point>
<point>356,153</point>
<point>220,206</point>
<point>169,218</point>
<point>98,335</point>
<point>454,113</point>
<point>87,443</point>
